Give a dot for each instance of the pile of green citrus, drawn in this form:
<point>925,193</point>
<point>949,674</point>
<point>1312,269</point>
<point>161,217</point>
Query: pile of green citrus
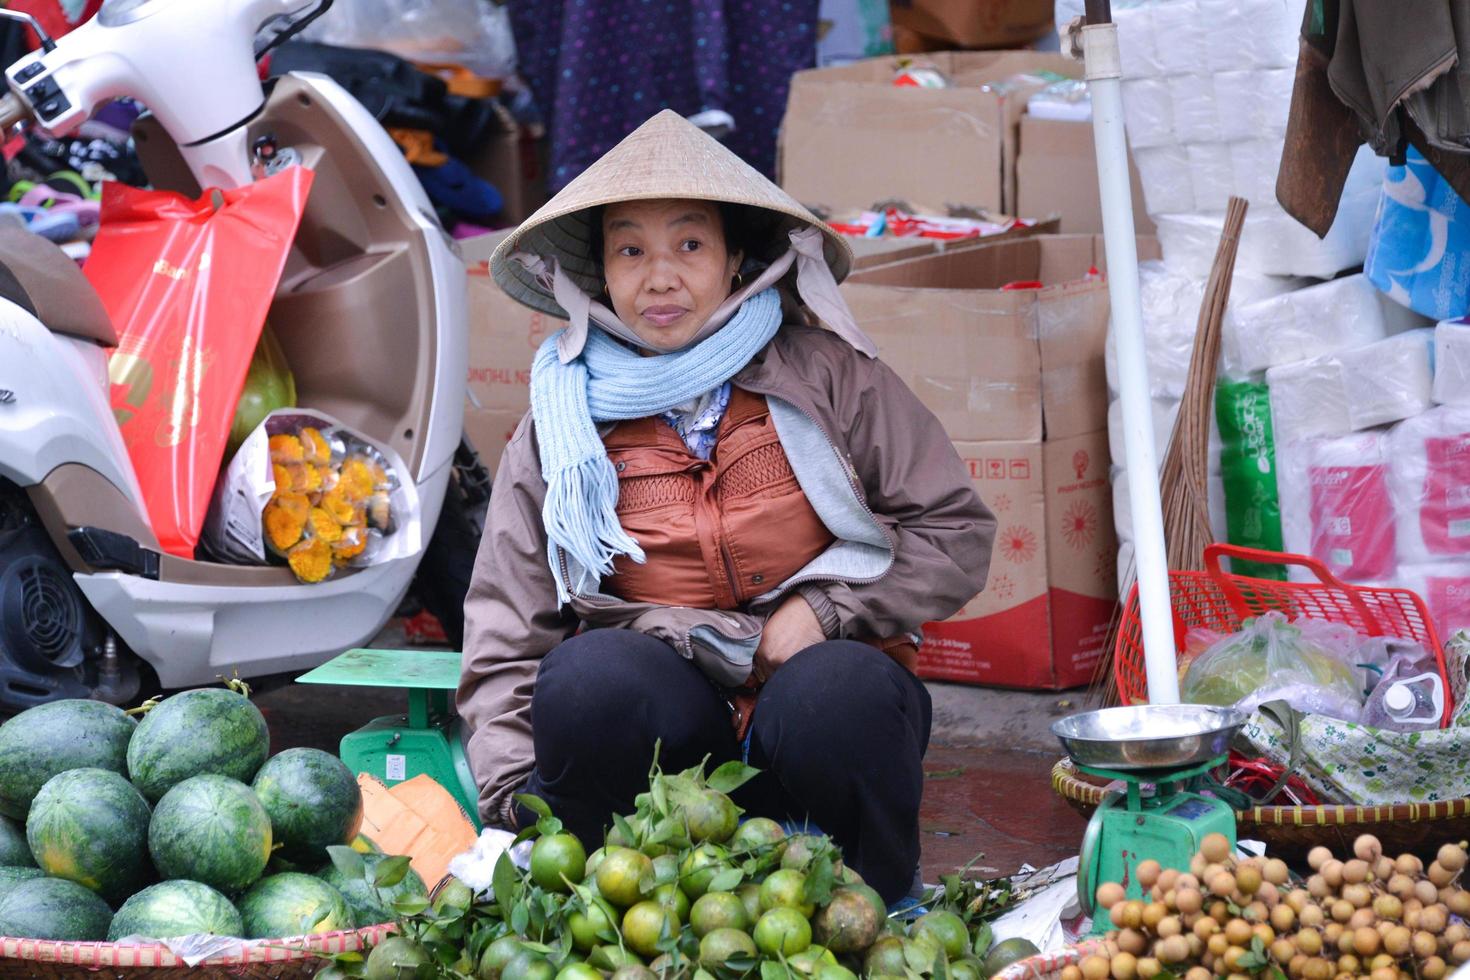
<point>681,889</point>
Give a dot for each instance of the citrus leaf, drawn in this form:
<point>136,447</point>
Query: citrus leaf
<point>731,776</point>
<point>916,957</point>
<point>983,938</point>
<point>520,918</point>
<point>533,803</point>
<point>941,966</point>
<point>660,797</point>
<point>503,883</point>
<point>526,834</point>
<point>348,957</point>
<point>665,872</point>
<point>409,905</point>
<point>663,831</point>
<point>547,826</point>
<point>743,962</point>
<point>818,887</point>
<point>726,880</point>
<point>625,829</point>
<point>348,862</point>
<point>771,970</point>
<point>390,871</point>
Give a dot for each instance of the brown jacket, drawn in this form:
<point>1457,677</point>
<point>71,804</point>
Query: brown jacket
<point>913,544</point>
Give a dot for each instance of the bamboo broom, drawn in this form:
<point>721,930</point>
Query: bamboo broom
<point>1185,473</point>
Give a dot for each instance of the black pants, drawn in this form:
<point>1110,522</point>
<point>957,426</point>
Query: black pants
<point>839,734</point>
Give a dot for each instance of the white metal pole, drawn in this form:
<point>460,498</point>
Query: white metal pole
<point>1104,82</point>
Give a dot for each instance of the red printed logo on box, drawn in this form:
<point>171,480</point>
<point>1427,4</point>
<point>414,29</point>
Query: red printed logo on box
<point>1020,469</point>
<point>1018,544</point>
<point>995,469</point>
<point>1080,459</point>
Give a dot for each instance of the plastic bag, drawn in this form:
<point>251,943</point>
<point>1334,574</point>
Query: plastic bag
<point>472,33</point>
<point>187,283</point>
<point>1307,663</point>
<point>269,387</point>
<point>1248,471</point>
<point>308,491</point>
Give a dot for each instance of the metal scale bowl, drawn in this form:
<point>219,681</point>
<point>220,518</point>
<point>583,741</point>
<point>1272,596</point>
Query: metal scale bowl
<point>1159,753</point>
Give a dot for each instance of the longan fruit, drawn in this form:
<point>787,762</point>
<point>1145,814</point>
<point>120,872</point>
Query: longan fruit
<point>1155,894</point>
<point>1110,893</point>
<point>1342,910</point>
<point>1205,928</point>
<point>1368,848</point>
<point>1223,884</point>
<point>1311,916</point>
<point>1071,973</point>
<point>1412,911</point>
<point>1264,933</point>
<point>1197,865</point>
<point>1132,914</point>
<point>1384,868</point>
<point>1189,900</point>
<point>1434,919</point>
<point>1366,941</point>
<point>1282,918</point>
<point>1433,968</point>
<point>1148,968</point>
<point>1295,964</point>
<point>1400,885</point>
<point>1317,968</point>
<point>1220,912</point>
<point>1231,960</point>
<point>1460,953</point>
<point>1153,914</point>
<point>1168,879</point>
<point>1255,912</point>
<point>1309,942</point>
<point>1349,964</point>
<point>1297,899</point>
<point>1115,915</point>
<point>1124,966</point>
<point>1388,907</point>
<point>1238,932</point>
<point>1423,945</point>
<point>1408,864</point>
<point>1283,950</point>
<point>1459,903</point>
<point>1132,941</point>
<point>1452,856</point>
<point>1355,872</point>
<point>1269,894</point>
<point>1384,973</point>
<point>1187,880</point>
<point>1361,896</point>
<point>1440,876</point>
<point>1317,857</point>
<point>1331,872</point>
<point>1094,967</point>
<point>1198,973</point>
<point>1148,873</point>
<point>1426,892</point>
<point>1215,848</point>
<point>1361,919</point>
<point>1172,950</point>
<point>1248,879</point>
<point>1196,945</point>
<point>1217,944</point>
<point>1332,932</point>
<point>1170,927</point>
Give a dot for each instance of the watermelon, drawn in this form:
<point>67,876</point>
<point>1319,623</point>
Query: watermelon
<point>51,738</point>
<point>14,851</point>
<point>10,877</point>
<point>206,731</point>
<point>211,829</point>
<point>371,905</point>
<point>175,908</point>
<point>363,844</point>
<point>91,826</point>
<point>313,800</point>
<point>293,904</point>
<point>54,908</point>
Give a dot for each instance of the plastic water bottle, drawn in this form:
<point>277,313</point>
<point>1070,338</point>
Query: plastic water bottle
<point>1406,704</point>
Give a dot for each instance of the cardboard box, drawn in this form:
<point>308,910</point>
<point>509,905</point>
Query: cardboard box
<point>869,253</point>
<point>973,23</point>
<point>851,139</point>
<point>503,339</point>
<point>1056,173</point>
<point>1017,378</point>
<point>1043,619</point>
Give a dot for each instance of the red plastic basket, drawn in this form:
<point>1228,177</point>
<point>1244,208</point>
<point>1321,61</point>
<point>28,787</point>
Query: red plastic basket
<point>1219,600</point>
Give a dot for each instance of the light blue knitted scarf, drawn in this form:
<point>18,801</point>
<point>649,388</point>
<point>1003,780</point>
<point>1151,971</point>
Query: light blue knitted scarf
<point>608,382</point>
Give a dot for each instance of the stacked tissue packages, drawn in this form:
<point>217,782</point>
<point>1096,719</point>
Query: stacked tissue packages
<point>1207,90</point>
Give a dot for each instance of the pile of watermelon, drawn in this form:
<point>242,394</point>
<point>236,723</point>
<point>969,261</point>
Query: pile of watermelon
<point>180,824</point>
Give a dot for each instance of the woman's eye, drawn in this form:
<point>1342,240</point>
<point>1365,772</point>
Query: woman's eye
<point>630,251</point>
<point>692,245</point>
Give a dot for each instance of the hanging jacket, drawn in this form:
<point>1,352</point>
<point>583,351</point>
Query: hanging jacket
<point>911,544</point>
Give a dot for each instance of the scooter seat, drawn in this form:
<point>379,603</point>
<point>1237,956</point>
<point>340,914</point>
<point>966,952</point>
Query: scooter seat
<point>41,279</point>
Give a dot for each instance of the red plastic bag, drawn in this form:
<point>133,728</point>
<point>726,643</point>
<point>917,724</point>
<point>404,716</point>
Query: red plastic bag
<point>187,284</point>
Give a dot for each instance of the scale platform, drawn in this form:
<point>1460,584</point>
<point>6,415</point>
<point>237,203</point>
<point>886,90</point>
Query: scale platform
<point>426,740</point>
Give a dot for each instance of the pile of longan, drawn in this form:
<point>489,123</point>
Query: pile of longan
<point>1372,916</point>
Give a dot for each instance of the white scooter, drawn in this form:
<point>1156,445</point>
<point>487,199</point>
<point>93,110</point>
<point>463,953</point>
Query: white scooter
<point>371,314</point>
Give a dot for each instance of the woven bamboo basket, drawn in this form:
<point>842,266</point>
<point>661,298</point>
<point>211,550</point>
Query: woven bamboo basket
<point>1289,832</point>
<point>301,956</point>
<point>1047,966</point>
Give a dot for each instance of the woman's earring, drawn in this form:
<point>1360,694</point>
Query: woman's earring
<point>739,280</point>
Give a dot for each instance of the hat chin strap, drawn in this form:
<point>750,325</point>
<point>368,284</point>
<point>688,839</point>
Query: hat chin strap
<point>814,281</point>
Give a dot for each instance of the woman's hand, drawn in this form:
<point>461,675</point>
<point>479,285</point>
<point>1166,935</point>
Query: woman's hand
<point>790,629</point>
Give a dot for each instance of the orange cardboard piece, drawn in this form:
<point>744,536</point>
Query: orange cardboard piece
<point>417,818</point>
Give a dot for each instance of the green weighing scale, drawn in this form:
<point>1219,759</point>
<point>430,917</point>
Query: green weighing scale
<point>425,741</point>
<point>1160,753</point>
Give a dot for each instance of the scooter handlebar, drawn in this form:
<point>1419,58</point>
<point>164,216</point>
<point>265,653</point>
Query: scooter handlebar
<point>12,111</point>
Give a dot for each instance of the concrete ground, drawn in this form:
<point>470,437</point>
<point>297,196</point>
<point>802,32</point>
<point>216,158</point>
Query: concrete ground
<point>988,800</point>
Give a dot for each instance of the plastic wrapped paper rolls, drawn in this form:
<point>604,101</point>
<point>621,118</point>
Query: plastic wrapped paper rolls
<point>1165,411</point>
<point>1336,505</point>
<point>1445,589</point>
<point>1354,389</point>
<point>1431,485</point>
<point>1452,363</point>
<point>1420,249</point>
<point>1148,112</point>
<point>1166,178</point>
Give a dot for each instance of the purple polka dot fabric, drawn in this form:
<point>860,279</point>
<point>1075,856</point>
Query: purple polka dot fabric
<point>601,68</point>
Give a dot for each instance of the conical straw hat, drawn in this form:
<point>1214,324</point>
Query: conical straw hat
<point>666,157</point>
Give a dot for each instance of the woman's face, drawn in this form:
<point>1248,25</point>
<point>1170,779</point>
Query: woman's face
<point>666,266</point>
